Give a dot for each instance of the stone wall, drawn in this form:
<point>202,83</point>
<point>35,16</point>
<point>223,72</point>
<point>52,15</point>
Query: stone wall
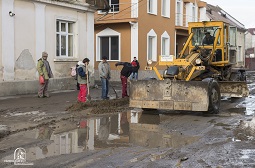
<point>18,87</point>
<point>31,86</point>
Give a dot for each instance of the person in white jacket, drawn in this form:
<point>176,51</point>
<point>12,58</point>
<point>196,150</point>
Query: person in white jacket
<point>83,80</point>
<point>76,74</point>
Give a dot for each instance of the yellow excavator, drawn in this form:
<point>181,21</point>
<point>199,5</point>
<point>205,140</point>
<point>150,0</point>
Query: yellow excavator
<point>195,80</point>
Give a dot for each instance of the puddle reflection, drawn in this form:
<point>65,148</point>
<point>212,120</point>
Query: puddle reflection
<point>248,104</point>
<point>245,131</point>
<point>116,130</point>
<point>247,153</point>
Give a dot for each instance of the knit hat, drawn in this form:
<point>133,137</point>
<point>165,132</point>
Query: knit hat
<point>44,54</point>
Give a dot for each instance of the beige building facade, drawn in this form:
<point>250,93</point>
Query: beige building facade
<point>64,29</point>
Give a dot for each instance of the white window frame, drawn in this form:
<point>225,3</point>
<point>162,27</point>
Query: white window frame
<point>194,13</point>
<point>112,8</point>
<point>233,34</point>
<point>165,44</point>
<point>134,8</point>
<point>107,33</point>
<point>66,34</point>
<point>165,8</point>
<point>152,45</point>
<point>239,50</point>
<point>152,7</point>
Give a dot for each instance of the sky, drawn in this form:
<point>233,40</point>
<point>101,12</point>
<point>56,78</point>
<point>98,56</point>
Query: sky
<point>241,10</point>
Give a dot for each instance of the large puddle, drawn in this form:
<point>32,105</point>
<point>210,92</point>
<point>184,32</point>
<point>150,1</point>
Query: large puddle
<point>248,105</point>
<point>122,129</point>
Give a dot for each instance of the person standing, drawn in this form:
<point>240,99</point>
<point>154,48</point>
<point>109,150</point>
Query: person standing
<point>105,76</point>
<point>43,68</point>
<point>134,74</point>
<point>76,74</point>
<point>125,72</point>
<point>82,79</point>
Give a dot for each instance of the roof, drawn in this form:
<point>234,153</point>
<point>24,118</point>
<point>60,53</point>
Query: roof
<point>251,31</point>
<point>218,14</point>
<point>249,51</point>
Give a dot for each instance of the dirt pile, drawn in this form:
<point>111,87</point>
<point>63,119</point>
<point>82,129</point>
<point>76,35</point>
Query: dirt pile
<point>102,106</point>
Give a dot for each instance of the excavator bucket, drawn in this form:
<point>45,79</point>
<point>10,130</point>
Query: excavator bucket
<point>171,95</point>
<point>234,89</point>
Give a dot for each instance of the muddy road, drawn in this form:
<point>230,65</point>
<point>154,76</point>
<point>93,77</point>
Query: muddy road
<point>52,133</point>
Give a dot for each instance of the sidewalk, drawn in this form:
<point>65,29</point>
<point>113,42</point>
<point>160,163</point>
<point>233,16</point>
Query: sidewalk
<point>24,112</point>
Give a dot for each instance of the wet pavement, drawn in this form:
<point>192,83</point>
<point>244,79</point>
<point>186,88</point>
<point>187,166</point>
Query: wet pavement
<point>55,137</point>
<point>149,137</point>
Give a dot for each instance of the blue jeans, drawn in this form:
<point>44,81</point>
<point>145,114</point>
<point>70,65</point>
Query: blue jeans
<point>105,88</point>
<point>134,76</point>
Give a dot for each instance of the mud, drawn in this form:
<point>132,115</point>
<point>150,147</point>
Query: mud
<point>101,106</point>
<point>58,132</point>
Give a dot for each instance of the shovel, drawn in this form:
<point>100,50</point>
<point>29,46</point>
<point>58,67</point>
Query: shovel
<point>87,74</point>
<point>113,89</point>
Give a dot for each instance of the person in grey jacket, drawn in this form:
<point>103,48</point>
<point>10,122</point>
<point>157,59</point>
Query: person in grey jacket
<point>105,76</point>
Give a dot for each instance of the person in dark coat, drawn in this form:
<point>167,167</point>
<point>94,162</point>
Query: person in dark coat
<point>126,71</point>
<point>208,39</point>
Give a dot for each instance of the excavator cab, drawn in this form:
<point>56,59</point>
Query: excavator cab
<point>210,37</point>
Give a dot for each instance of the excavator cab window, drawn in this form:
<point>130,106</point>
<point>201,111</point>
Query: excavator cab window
<point>204,36</point>
<point>218,55</point>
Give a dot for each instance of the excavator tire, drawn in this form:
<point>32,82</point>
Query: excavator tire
<point>236,76</point>
<point>214,97</point>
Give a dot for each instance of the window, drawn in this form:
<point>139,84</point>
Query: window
<point>108,44</point>
<point>64,39</point>
<point>165,44</point>
<point>163,49</point>
<point>152,6</point>
<point>239,56</point>
<point>179,16</point>
<point>109,47</point>
<point>193,13</point>
<point>152,46</point>
<point>114,5</point>
<point>232,32</point>
<point>165,6</point>
<point>200,36</point>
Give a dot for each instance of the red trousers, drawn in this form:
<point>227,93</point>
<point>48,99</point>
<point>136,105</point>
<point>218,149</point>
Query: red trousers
<point>124,86</point>
<point>82,96</point>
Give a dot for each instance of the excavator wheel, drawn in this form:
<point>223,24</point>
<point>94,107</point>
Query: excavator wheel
<point>235,76</point>
<point>214,97</point>
<point>243,76</point>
